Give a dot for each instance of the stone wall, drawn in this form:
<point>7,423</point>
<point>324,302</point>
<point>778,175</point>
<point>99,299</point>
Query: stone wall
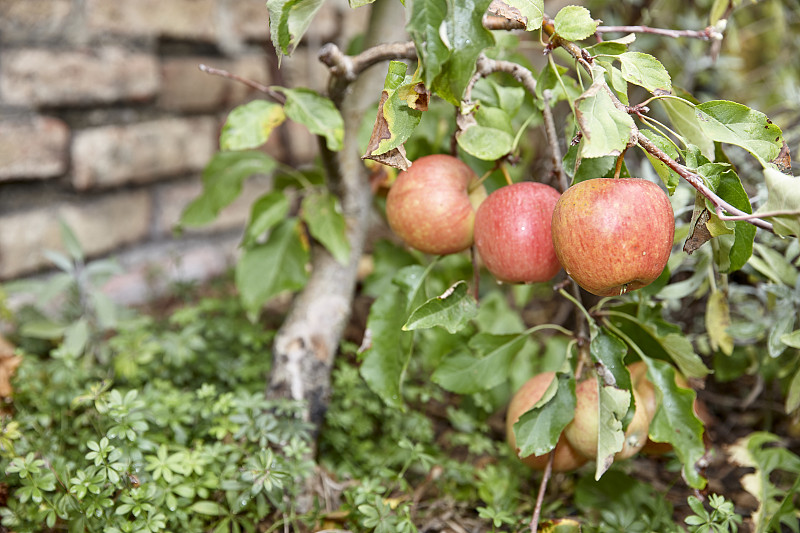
<point>106,123</point>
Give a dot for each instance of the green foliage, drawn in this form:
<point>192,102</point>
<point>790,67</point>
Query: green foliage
<point>722,517</point>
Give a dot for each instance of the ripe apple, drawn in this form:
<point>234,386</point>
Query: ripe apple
<point>431,206</point>
<point>582,432</point>
<point>512,233</point>
<point>613,235</point>
<point>566,458</point>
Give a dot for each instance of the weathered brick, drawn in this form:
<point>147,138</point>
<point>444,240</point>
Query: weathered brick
<point>153,269</point>
<point>250,19</point>
<point>171,199</point>
<point>101,225</point>
<point>112,155</point>
<point>184,19</point>
<point>38,76</point>
<point>187,89</point>
<point>34,148</point>
<point>27,20</point>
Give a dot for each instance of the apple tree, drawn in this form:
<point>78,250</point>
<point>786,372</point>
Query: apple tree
<point>666,259</point>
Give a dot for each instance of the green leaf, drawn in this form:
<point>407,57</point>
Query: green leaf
<point>548,79</point>
<point>783,194</point>
<point>673,343</point>
<point>488,144</point>
<point>793,394</point>
<point>606,129</point>
<point>452,310</point>
<point>316,113</point>
<point>783,325</point>
<point>264,270</point>
<point>222,183</point>
<point>718,319</point>
<point>208,508</point>
<point>289,20</point>
<point>667,175</point>
<point>575,23</point>
<point>685,122</point>
<point>250,125</point>
<point>384,360</point>
<point>610,350</point>
<point>612,406</point>
<point>532,10</point>
<point>322,213</point>
<point>596,167</point>
<point>729,187</point>
<point>466,38</point>
<point>401,118</point>
<point>776,266</point>
<point>70,241</point>
<point>265,214</point>
<point>645,71</point>
<point>423,26</point>
<point>675,421</point>
<point>791,339</point>
<point>465,373</point>
<point>537,431</point>
<point>491,94</point>
<point>737,124</point>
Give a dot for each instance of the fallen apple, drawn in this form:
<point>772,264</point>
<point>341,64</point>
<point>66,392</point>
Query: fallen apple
<point>613,236</point>
<point>565,457</point>
<point>512,233</point>
<point>431,206</point>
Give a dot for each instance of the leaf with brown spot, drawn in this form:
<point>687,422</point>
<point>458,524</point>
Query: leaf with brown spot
<point>784,160</point>
<point>699,233</point>
<point>396,157</point>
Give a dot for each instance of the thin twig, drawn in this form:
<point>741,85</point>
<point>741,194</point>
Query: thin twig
<point>705,35</point>
<point>274,95</point>
<point>696,181</point>
<point>747,217</point>
<point>485,66</point>
<point>537,511</point>
<point>552,138</point>
<point>349,67</point>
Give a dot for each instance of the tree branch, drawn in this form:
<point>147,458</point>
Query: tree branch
<point>708,34</point>
<point>274,95</point>
<point>696,181</point>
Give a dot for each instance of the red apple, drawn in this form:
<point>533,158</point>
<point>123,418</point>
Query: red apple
<point>512,233</point>
<point>582,432</point>
<point>566,458</point>
<point>431,206</point>
<point>613,235</point>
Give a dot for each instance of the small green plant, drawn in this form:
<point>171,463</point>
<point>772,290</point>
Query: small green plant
<point>721,519</point>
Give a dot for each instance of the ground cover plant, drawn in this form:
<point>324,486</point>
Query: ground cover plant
<point>595,223</point>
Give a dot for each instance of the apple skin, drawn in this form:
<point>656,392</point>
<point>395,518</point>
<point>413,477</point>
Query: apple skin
<point>613,235</point>
<point>430,206</point>
<point>566,458</point>
<point>581,433</point>
<point>512,233</point>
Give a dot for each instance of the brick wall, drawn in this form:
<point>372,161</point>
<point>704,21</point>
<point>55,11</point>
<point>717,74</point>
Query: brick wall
<point>106,123</point>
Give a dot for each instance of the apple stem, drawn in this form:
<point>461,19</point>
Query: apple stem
<point>618,167</point>
<point>506,175</point>
<point>537,511</point>
<point>480,180</point>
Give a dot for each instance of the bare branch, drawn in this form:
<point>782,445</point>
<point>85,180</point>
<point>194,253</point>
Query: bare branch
<point>274,95</point>
<point>537,511</point>
<point>349,67</point>
<point>552,139</point>
<point>708,34</point>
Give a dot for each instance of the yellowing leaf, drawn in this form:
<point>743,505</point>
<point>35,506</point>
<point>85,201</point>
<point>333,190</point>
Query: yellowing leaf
<point>718,319</point>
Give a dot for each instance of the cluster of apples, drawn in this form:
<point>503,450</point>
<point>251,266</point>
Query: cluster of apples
<point>610,235</point>
<point>578,442</point>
